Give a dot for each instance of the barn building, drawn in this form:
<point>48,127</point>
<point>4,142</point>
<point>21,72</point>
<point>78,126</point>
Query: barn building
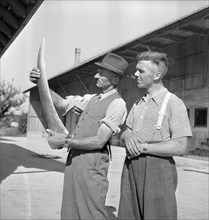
<point>186,42</point>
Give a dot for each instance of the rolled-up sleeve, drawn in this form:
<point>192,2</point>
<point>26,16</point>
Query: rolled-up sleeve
<point>115,115</point>
<point>77,103</point>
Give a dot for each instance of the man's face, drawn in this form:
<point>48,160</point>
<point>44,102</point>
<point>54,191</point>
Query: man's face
<point>104,78</point>
<point>144,75</point>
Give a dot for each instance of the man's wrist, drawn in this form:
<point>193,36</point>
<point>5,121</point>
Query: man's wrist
<point>144,149</point>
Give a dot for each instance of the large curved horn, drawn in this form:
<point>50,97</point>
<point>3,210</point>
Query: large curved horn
<point>52,119</point>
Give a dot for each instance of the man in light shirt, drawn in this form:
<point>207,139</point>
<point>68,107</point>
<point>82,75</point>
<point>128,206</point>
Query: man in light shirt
<point>85,181</point>
<point>157,129</point>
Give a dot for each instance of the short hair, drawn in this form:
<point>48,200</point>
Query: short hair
<point>157,58</point>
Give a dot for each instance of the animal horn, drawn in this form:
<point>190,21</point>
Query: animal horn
<point>53,120</point>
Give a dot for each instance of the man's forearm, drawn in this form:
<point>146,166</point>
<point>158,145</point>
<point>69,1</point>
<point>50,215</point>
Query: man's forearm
<point>175,147</point>
<point>91,143</point>
<point>58,101</point>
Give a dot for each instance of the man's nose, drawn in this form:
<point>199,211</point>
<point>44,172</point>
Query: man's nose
<point>136,74</point>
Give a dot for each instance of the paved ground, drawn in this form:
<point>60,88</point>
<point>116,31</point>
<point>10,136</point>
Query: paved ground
<point>32,178</point>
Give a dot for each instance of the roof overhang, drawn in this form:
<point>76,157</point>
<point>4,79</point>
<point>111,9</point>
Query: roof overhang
<point>169,35</point>
<point>14,16</point>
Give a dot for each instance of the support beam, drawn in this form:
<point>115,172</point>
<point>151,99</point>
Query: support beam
<point>128,54</point>
<point>173,37</point>
<point>139,47</point>
<point>18,8</point>
<point>207,17</point>
<point>127,57</point>
<point>154,44</point>
<point>9,17</point>
<point>194,29</point>
<point>3,39</point>
<point>5,29</point>
<point>1,47</point>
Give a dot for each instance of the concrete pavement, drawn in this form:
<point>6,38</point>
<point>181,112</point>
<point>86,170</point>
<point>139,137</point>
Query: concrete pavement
<point>32,180</point>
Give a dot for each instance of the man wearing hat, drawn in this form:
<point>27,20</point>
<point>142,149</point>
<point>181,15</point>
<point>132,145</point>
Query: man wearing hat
<point>85,181</point>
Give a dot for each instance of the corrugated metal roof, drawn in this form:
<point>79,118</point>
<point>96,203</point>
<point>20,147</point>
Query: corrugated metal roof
<point>14,15</point>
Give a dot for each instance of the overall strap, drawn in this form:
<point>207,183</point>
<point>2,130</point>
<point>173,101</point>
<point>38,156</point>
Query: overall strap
<point>161,113</point>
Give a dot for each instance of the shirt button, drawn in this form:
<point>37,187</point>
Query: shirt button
<point>145,107</point>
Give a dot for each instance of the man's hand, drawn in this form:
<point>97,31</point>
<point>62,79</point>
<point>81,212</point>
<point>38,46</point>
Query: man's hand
<point>55,140</point>
<point>35,74</point>
<point>132,143</point>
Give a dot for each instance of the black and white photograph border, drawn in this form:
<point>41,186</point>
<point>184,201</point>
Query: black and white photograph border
<point>77,34</point>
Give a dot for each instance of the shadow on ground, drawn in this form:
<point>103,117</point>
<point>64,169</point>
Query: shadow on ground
<point>13,156</point>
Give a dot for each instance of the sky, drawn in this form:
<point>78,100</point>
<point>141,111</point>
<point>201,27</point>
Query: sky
<point>92,26</point>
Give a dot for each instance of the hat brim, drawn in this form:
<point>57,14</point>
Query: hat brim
<point>109,68</point>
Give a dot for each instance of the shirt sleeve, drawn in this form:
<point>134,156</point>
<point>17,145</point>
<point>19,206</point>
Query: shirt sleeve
<point>130,118</point>
<point>77,103</point>
<point>115,115</point>
<point>179,124</point>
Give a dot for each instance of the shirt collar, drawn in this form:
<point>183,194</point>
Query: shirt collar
<point>157,97</point>
<point>105,95</point>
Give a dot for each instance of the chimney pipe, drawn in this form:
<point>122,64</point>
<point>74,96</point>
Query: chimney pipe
<point>77,56</point>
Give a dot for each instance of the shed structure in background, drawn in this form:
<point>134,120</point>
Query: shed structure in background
<point>186,42</point>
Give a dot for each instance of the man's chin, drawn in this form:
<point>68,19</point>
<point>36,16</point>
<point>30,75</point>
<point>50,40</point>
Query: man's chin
<point>139,85</point>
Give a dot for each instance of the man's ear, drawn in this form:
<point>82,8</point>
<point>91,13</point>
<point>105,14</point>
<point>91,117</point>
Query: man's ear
<point>157,76</point>
<point>116,80</point>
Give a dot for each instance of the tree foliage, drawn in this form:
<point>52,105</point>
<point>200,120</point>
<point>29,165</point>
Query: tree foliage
<point>10,97</point>
<point>23,123</point>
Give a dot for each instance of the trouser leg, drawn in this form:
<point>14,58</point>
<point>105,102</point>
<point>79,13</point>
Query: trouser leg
<point>69,208</point>
<point>91,185</point>
<point>131,197</point>
<point>159,191</point>
<point>148,185</point>
<point>85,187</point>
